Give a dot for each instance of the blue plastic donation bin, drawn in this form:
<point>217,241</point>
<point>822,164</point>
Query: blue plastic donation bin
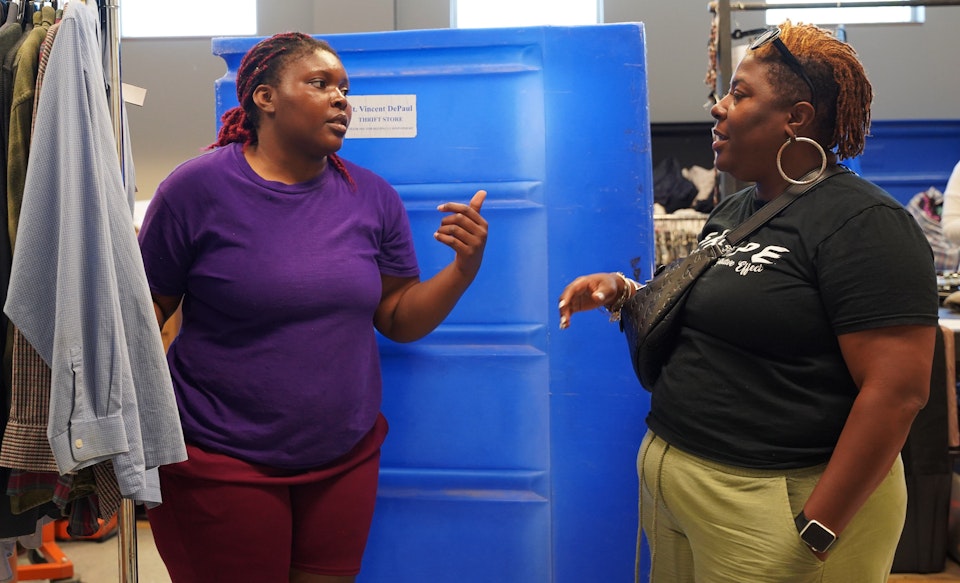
<point>512,450</point>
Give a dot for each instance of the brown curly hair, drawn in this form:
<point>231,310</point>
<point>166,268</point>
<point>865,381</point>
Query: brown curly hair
<point>843,92</point>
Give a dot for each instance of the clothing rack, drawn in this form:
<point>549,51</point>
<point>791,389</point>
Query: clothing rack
<point>110,18</point>
<point>127,525</point>
<point>724,46</point>
<point>676,235</point>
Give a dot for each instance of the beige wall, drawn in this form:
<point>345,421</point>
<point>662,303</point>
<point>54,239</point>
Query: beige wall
<point>912,67</point>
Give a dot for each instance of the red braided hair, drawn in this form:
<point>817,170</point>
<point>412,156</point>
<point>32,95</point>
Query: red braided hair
<point>262,65</point>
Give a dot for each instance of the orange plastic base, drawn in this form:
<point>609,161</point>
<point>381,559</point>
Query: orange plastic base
<point>55,564</point>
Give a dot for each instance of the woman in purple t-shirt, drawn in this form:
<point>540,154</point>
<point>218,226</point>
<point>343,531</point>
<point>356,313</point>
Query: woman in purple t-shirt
<point>282,255</point>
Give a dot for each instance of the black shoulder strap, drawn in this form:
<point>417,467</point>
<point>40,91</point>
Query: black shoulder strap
<point>772,208</point>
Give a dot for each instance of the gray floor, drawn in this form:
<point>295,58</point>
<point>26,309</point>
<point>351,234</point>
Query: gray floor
<point>98,562</point>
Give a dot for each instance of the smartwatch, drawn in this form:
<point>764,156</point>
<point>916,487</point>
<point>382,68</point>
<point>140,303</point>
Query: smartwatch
<point>817,536</point>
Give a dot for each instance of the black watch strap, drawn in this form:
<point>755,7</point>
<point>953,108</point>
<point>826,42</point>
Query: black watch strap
<point>801,521</point>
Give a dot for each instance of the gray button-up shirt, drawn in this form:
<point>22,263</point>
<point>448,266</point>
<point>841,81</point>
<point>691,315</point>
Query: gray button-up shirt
<point>78,291</point>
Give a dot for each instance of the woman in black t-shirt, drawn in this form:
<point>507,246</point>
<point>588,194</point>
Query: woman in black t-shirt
<point>805,352</point>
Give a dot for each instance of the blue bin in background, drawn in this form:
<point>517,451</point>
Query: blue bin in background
<point>512,450</point>
<point>906,157</point>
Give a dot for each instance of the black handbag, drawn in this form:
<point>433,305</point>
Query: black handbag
<point>650,319</point>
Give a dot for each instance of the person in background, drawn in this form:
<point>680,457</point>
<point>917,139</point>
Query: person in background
<point>951,207</point>
<point>286,258</point>
<point>775,427</point>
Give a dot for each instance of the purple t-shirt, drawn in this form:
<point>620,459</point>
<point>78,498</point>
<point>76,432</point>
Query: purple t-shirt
<point>276,361</point>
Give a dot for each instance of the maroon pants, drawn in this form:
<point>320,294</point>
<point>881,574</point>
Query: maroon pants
<point>223,519</point>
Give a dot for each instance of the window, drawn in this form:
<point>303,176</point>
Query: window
<point>161,18</point>
<point>506,13</point>
<point>849,15</point>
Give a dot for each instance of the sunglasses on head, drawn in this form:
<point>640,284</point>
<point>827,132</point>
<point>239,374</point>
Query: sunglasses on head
<point>773,36</point>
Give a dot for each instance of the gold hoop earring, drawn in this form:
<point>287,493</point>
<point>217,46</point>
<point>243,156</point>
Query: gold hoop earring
<point>794,139</point>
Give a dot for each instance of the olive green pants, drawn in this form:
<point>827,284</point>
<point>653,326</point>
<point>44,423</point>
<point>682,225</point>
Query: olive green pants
<point>706,522</point>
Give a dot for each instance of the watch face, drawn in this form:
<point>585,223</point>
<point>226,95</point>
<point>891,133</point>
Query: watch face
<point>817,536</point>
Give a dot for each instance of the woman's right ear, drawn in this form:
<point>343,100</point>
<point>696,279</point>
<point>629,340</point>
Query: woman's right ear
<point>263,97</point>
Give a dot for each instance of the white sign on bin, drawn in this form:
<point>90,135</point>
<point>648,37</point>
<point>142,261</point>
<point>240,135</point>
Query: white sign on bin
<point>383,116</point>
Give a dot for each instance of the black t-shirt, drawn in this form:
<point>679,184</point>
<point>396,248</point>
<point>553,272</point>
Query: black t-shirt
<point>757,379</point>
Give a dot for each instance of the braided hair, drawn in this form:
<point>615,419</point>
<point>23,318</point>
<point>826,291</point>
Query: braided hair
<point>843,92</point>
<point>262,65</point>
